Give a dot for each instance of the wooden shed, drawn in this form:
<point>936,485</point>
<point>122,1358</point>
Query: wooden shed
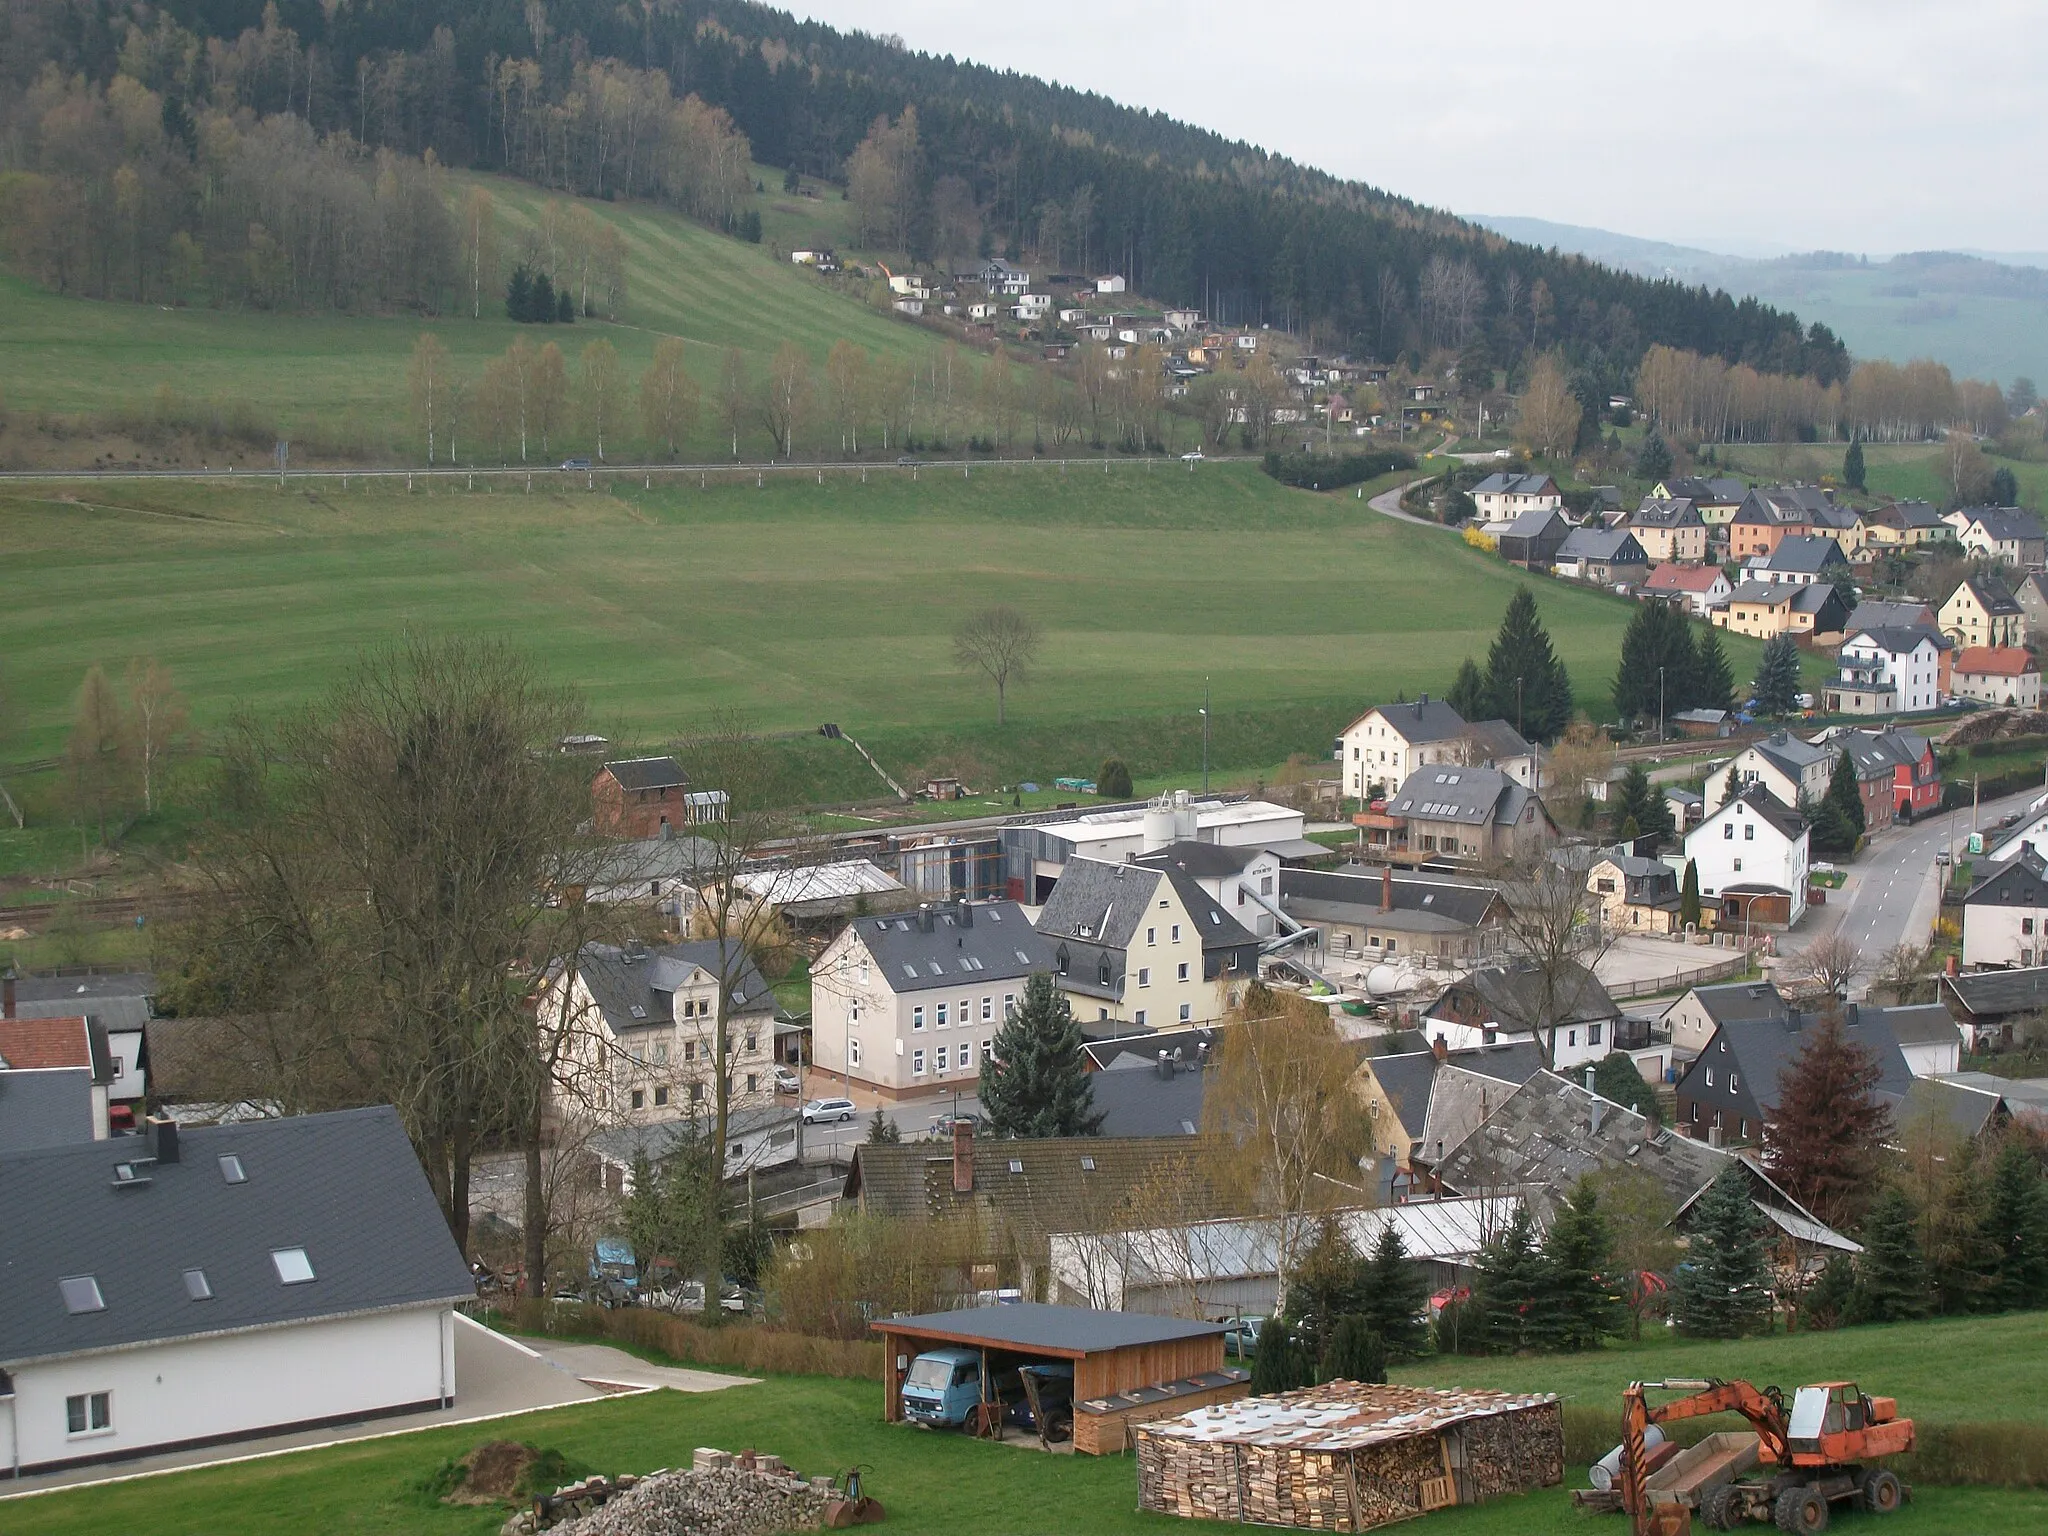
<point>1348,1457</point>
<point>1115,1354</point>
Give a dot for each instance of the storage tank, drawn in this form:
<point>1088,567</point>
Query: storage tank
<point>1158,828</point>
<point>1184,823</point>
<point>1388,980</point>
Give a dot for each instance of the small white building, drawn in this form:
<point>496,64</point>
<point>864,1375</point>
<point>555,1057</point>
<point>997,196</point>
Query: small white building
<point>198,1287</point>
<point>1753,861</point>
<point>1887,670</point>
<point>1114,283</point>
<point>1035,855</point>
<point>2005,914</point>
<point>1791,769</point>
<point>1244,881</point>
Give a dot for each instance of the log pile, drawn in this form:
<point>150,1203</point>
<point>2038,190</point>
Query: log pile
<point>1346,1457</point>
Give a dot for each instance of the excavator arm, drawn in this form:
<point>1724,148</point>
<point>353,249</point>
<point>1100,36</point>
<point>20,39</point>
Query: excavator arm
<point>1764,1409</point>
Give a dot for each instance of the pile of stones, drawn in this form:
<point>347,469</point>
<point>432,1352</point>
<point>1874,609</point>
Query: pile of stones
<point>719,1494</point>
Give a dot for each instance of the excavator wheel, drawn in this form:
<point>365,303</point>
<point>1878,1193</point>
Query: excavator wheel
<point>1882,1494</point>
<point>1802,1511</point>
<point>1721,1508</point>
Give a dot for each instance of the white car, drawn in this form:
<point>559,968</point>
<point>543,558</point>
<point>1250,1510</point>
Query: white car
<point>785,1081</point>
<point>1192,458</point>
<point>829,1109</point>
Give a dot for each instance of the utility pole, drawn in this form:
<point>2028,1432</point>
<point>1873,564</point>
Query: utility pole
<point>1205,735</point>
<point>1660,706</point>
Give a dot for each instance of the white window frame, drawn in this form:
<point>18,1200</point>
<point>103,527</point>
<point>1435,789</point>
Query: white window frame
<point>853,1053</point>
<point>95,1412</point>
<point>917,1063</point>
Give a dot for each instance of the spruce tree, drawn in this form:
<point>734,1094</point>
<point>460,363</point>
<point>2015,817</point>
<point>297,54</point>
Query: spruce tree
<point>1356,1352</point>
<point>1776,688</point>
<point>1891,1277</point>
<point>1579,1308</point>
<point>1639,801</point>
<point>1278,1366</point>
<point>1845,793</point>
<point>1653,458</point>
<point>1689,897</point>
<point>1823,1137</point>
<point>1469,695</point>
<point>1960,1259</point>
<point>565,308</point>
<point>1525,675</point>
<point>541,305</point>
<point>2015,1230</point>
<point>1394,1291</point>
<point>1831,1300</point>
<point>1113,779</point>
<point>1852,466</point>
<point>1724,1286</point>
<point>1037,1083</point>
<point>1508,1289</point>
<point>1323,1286</point>
<point>1713,680</point>
<point>519,294</point>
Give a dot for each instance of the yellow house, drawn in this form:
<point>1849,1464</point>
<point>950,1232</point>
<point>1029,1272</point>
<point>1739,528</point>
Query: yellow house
<point>1983,613</point>
<point>1670,531</point>
<point>1144,946</point>
<point>1765,608</point>
<point>1904,525</point>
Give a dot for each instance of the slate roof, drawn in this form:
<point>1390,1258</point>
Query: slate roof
<point>1138,1102</point>
<point>1409,1078</point>
<point>56,1042</point>
<point>2021,881</point>
<point>1470,796</point>
<point>1205,861</point>
<point>1966,1109</point>
<point>1513,994</point>
<point>1917,1023</point>
<point>1735,1000</point>
<point>2006,524</point>
<point>1137,1048</point>
<point>1496,741</point>
<point>1790,755</point>
<point>1608,545</point>
<point>1815,596</point>
<point>1804,554</point>
<point>1534,523</point>
<point>648,859</point>
<point>346,1187</point>
<point>1054,1191</point>
<point>45,1107</point>
<point>1784,504</point>
<point>1874,614</point>
<point>1501,483</point>
<point>1896,640</point>
<point>1991,595</point>
<point>1036,1326</point>
<point>1906,514</point>
<point>994,941</point>
<point>1710,492</point>
<point>1106,904</point>
<point>121,1002</point>
<point>1763,1048</point>
<point>619,985</point>
<point>1422,720</point>
<point>1769,593</point>
<point>1446,901</point>
<point>1767,806</point>
<point>637,773</point>
<point>1679,512</point>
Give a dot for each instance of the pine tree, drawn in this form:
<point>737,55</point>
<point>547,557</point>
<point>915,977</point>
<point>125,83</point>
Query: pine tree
<point>1394,1290</point>
<point>1578,1308</point>
<point>1524,674</point>
<point>541,306</point>
<point>1713,680</point>
<point>1891,1277</point>
<point>1689,897</point>
<point>1832,832</point>
<point>1831,1300</point>
<point>1653,458</point>
<point>1279,1365</point>
<point>1469,695</point>
<point>1724,1289</point>
<point>1113,779</point>
<point>1639,801</point>
<point>1822,1138</point>
<point>519,294</point>
<point>1852,466</point>
<point>1617,1078</point>
<point>1037,1083</point>
<point>1845,792</point>
<point>2015,1228</point>
<point>565,308</point>
<point>1776,688</point>
<point>1507,1291</point>
<point>1656,649</point>
<point>1325,1285</point>
<point>1357,1353</point>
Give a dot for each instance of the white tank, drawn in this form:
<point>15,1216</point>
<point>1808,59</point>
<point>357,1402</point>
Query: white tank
<point>1387,980</point>
<point>1158,828</point>
<point>1184,823</point>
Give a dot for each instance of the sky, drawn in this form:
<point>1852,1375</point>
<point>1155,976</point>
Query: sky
<point>1750,126</point>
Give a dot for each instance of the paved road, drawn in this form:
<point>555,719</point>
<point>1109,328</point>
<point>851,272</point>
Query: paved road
<point>1893,894</point>
<point>1388,504</point>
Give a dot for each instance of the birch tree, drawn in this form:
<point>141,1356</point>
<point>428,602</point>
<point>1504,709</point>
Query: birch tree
<point>669,399</point>
<point>604,389</point>
<point>427,379</point>
<point>158,715</point>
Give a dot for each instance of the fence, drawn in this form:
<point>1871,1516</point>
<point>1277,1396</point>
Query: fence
<point>1680,981</point>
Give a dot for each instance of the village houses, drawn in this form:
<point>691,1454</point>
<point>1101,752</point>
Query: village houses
<point>1752,859</point>
<point>1390,741</point>
<point>1702,588</point>
<point>1886,671</point>
<point>1981,612</point>
<point>1996,674</point>
<point>1504,496</point>
<point>2005,913</point>
<point>1670,530</point>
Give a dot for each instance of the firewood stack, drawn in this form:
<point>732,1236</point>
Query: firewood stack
<point>1347,1457</point>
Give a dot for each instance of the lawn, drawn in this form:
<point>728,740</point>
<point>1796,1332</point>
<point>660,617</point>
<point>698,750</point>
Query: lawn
<point>929,1482</point>
<point>797,602</point>
<point>340,380</point>
<point>1905,471</point>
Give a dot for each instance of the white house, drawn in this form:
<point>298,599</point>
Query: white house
<point>1996,674</point>
<point>2005,914</point>
<point>1035,855</point>
<point>1388,742</point>
<point>1752,858</point>
<point>1110,284</point>
<point>1789,768</point>
<point>1887,670</point>
<point>911,1003</point>
<point>1502,497</point>
<point>196,1287</point>
<point>1504,1003</point>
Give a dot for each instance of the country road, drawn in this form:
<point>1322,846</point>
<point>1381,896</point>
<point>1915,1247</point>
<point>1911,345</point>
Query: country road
<point>1388,504</point>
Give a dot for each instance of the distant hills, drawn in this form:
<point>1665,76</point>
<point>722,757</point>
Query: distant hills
<point>1985,314</point>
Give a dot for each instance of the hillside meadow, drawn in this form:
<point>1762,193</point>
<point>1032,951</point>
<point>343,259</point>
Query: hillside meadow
<point>794,601</point>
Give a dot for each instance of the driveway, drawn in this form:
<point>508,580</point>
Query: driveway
<point>1388,504</point>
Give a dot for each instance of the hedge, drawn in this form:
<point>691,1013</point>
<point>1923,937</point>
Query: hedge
<point>1325,472</point>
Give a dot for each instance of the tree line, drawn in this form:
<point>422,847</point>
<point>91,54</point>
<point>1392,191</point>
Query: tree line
<point>990,160</point>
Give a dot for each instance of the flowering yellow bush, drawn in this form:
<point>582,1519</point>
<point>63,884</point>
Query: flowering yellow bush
<point>1481,541</point>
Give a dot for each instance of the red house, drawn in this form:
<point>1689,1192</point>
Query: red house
<point>640,797</point>
<point>1897,774</point>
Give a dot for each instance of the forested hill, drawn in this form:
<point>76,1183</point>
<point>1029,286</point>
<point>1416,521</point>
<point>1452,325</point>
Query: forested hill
<point>553,89</point>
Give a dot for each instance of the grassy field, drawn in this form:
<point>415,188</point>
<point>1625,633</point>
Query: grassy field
<point>798,602</point>
<point>928,1482</point>
<point>340,380</point>
<point>1908,471</point>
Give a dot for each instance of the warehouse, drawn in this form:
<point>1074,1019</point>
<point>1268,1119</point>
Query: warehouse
<point>1125,1363</point>
<point>1347,1457</point>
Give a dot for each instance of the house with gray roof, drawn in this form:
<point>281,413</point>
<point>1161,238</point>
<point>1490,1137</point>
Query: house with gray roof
<point>1515,1001</point>
<point>910,1002</point>
<point>1145,944</point>
<point>2011,534</point>
<point>640,1024</point>
<point>1753,858</point>
<point>46,1107</point>
<point>1455,814</point>
<point>1607,555</point>
<point>640,797</point>
<point>1992,1008</point>
<point>1800,560</point>
<point>1533,538</point>
<point>1791,769</point>
<point>2005,913</point>
<point>120,1002</point>
<point>196,1287</point>
<point>1363,915</point>
<point>1504,495</point>
<point>1243,880</point>
<point>1729,1089</point>
<point>1377,751</point>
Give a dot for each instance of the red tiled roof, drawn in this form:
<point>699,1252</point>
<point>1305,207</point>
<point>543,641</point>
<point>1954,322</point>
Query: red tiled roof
<point>1684,578</point>
<point>32,1044</point>
<point>1999,660</point>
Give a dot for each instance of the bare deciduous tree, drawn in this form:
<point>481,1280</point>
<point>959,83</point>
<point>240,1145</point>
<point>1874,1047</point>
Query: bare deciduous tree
<point>786,396</point>
<point>1547,418</point>
<point>427,379</point>
<point>668,396</point>
<point>604,390</point>
<point>1551,938</point>
<point>97,753</point>
<point>735,394</point>
<point>1830,963</point>
<point>159,720</point>
<point>1001,642</point>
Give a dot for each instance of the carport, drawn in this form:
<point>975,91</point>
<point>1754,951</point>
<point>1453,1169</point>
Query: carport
<point>1112,1352</point>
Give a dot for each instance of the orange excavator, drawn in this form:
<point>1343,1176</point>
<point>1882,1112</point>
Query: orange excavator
<point>1789,1472</point>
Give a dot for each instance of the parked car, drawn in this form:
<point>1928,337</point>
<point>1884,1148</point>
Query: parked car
<point>1192,458</point>
<point>1243,1337</point>
<point>942,1125</point>
<point>575,463</point>
<point>829,1109</point>
<point>786,1081</point>
<point>1053,1380</point>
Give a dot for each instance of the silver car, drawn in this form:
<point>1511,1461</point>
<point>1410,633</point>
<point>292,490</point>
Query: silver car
<point>829,1109</point>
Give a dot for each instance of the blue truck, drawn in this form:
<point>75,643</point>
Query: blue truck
<point>944,1385</point>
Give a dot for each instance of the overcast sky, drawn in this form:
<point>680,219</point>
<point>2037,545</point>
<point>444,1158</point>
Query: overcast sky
<point>1755,125</point>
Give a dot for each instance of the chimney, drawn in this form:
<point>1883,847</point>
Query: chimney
<point>1439,1048</point>
<point>964,915</point>
<point>963,1157</point>
<point>1165,1065</point>
<point>163,1138</point>
<point>1954,967</point>
<point>1387,889</point>
<point>7,994</point>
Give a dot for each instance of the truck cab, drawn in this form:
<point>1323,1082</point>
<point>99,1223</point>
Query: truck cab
<point>941,1386</point>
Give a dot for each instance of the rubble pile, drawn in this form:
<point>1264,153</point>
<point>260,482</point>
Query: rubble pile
<point>720,1494</point>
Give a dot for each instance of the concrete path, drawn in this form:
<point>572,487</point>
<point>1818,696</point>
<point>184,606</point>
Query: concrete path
<point>614,1367</point>
<point>495,1377</point>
